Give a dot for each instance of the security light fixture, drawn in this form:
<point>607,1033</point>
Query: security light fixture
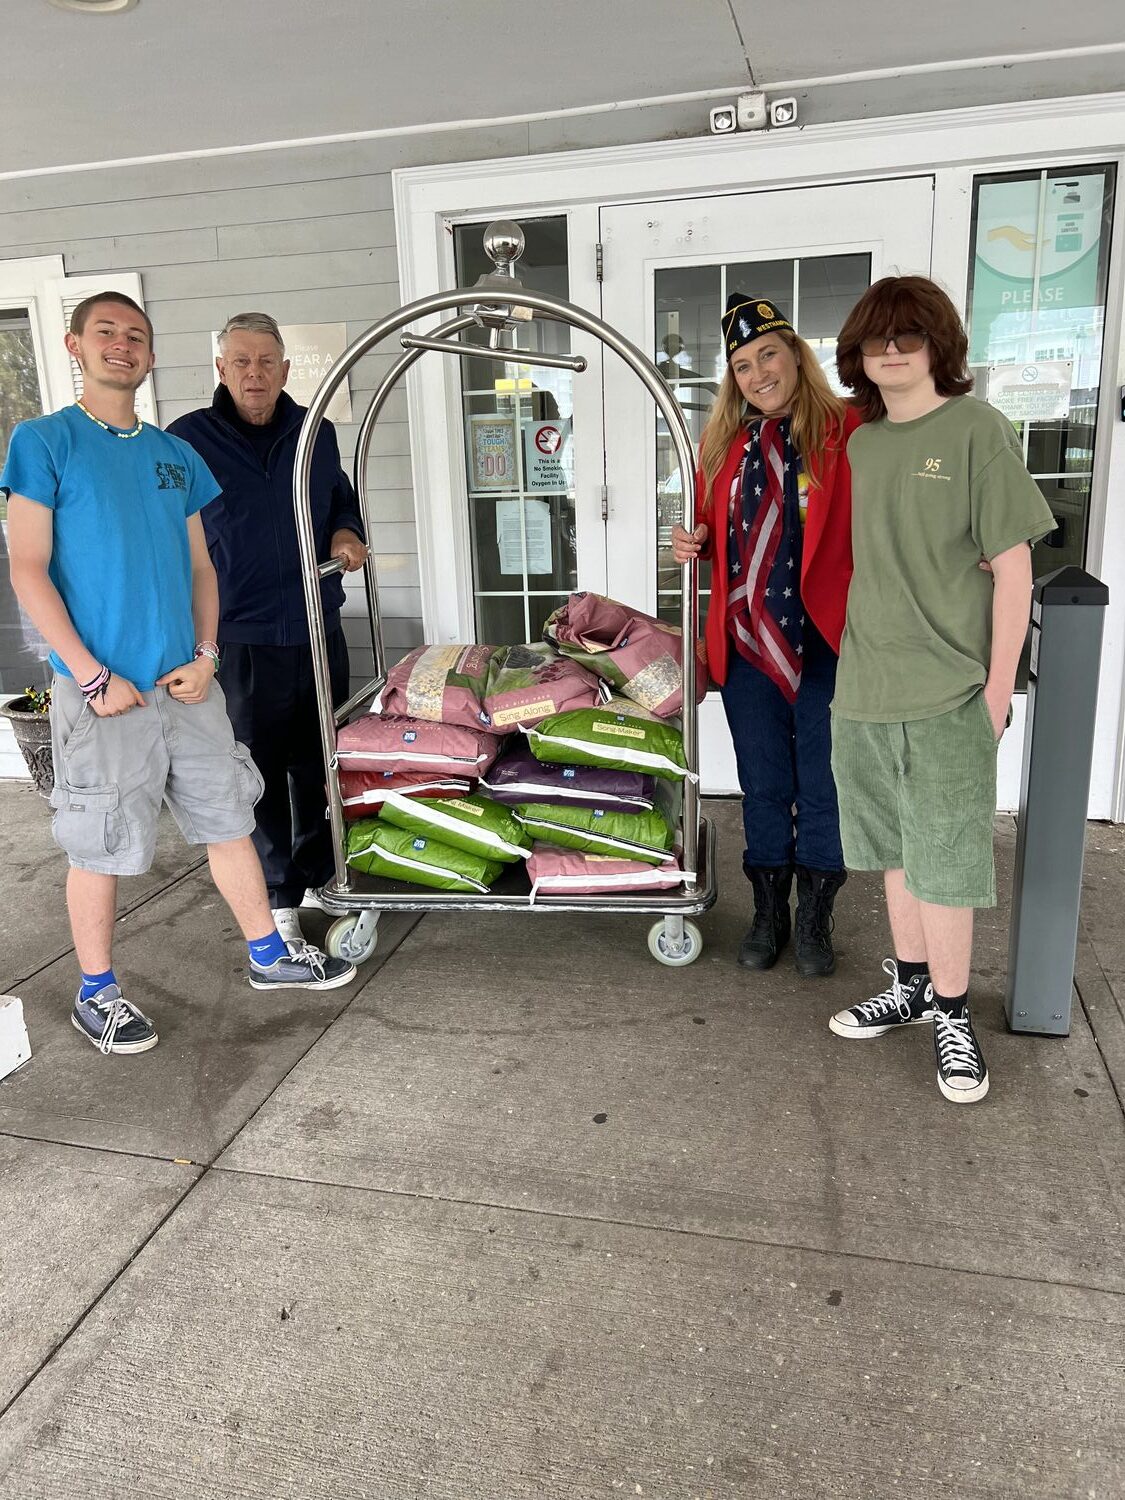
<point>783,111</point>
<point>94,7</point>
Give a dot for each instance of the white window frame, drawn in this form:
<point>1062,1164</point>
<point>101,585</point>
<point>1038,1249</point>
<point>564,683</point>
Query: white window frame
<point>23,283</point>
<point>40,284</point>
<point>955,145</point>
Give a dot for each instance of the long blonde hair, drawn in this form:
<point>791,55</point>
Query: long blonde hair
<point>814,410</point>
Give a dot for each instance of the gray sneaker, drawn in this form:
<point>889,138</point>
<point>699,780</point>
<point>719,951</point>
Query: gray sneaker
<point>900,1005</point>
<point>306,968</point>
<point>112,1023</point>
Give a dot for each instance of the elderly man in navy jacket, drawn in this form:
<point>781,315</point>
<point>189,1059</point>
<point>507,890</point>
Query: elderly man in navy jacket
<point>248,439</point>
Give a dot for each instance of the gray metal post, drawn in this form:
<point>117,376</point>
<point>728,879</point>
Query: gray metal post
<point>1066,648</point>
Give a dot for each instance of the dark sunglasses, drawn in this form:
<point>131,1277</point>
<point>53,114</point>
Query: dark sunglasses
<point>905,343</point>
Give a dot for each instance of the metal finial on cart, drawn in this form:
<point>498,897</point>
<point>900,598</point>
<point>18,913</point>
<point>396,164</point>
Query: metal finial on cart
<point>498,302</point>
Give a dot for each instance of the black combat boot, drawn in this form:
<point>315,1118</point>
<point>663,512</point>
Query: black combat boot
<point>816,891</point>
<point>770,932</point>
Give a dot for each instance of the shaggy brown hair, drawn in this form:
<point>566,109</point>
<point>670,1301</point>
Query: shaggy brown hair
<point>904,304</point>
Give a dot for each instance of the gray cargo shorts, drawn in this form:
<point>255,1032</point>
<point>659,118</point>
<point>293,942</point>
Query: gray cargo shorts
<point>111,776</point>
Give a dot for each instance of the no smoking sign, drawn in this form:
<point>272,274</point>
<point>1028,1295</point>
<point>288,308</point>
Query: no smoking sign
<point>546,456</point>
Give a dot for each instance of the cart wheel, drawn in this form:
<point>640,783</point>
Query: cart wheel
<point>669,947</point>
<point>353,938</point>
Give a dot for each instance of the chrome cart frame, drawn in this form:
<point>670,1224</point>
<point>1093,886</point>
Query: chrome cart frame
<point>498,302</point>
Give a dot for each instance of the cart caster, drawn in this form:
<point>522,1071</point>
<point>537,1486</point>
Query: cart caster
<point>675,942</point>
<point>353,938</point>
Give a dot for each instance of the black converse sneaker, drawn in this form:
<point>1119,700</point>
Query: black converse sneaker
<point>902,1005</point>
<point>962,1072</point>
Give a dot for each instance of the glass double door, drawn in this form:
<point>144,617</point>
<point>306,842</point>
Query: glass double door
<point>669,268</point>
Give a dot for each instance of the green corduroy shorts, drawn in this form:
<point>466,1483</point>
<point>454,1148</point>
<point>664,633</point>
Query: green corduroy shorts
<point>921,797</point>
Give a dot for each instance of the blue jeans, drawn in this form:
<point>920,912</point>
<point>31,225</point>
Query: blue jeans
<point>784,754</point>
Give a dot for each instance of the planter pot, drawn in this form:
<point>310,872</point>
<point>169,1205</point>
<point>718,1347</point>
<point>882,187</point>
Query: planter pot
<point>33,735</point>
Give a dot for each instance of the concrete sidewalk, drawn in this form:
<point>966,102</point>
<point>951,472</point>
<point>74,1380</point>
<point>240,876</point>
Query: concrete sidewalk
<point>522,1214</point>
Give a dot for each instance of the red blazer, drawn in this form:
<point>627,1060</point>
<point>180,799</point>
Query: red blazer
<point>826,555</point>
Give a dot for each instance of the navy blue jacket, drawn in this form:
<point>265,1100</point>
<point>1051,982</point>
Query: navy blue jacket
<point>251,530</point>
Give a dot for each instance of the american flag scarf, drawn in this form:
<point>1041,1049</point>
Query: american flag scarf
<point>764,612</point>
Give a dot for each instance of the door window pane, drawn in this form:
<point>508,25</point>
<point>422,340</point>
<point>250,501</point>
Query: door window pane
<point>815,292</point>
<point>23,652</point>
<point>1037,291</point>
<point>519,450</point>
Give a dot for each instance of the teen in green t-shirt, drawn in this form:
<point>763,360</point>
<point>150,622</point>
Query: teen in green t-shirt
<point>929,654</point>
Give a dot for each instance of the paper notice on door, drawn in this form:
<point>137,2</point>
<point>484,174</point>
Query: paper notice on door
<point>537,524</point>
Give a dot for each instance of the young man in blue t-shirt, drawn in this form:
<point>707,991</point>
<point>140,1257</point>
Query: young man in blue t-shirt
<point>109,559</point>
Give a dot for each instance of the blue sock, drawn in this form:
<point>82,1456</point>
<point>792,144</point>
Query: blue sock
<point>92,983</point>
<point>266,951</point>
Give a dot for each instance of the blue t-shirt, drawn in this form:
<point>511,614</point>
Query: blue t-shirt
<point>121,560</point>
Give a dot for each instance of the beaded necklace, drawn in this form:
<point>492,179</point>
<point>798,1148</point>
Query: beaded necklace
<point>136,432</point>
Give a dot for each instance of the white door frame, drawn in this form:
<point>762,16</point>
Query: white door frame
<point>954,144</point>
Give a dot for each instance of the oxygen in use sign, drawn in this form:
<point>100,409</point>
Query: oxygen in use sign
<point>548,456</point>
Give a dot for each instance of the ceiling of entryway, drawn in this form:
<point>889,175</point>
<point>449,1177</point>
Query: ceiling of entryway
<point>186,75</point>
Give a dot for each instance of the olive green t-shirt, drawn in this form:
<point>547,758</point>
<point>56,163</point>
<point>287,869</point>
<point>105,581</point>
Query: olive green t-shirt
<point>930,498</point>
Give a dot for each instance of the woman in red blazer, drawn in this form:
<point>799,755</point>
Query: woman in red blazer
<point>774,518</point>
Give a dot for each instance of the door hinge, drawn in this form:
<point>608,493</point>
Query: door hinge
<point>599,261</point>
<point>605,502</point>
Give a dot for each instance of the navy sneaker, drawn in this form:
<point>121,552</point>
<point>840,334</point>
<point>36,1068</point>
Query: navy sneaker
<point>306,968</point>
<point>113,1023</point>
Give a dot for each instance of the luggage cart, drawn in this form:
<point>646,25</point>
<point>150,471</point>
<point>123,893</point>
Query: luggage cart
<point>498,302</point>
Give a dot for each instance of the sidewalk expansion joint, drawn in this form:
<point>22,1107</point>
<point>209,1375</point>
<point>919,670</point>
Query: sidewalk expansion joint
<point>655,1227</point>
<point>1117,1094</point>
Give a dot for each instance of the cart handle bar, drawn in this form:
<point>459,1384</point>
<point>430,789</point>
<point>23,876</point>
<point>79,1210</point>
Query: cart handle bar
<point>499,356</point>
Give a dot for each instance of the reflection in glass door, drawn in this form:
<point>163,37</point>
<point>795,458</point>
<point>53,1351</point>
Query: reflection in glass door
<point>519,452</point>
<point>1037,297</point>
<point>815,293</point>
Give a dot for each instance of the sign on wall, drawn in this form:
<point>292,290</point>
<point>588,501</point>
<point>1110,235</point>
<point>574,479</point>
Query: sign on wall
<point>312,349</point>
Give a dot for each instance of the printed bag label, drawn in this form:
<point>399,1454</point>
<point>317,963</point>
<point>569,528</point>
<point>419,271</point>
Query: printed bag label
<point>623,731</point>
<point>540,710</point>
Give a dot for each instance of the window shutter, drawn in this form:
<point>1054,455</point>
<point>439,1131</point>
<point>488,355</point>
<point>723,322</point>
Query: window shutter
<point>61,296</point>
